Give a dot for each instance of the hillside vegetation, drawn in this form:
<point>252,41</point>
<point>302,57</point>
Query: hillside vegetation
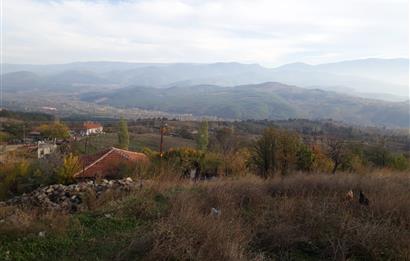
<point>254,190</point>
<point>302,217</point>
<point>261,101</point>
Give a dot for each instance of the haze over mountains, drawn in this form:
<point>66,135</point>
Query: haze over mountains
<point>374,78</point>
<point>259,101</point>
<point>232,90</point>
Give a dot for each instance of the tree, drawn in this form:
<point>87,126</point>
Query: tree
<point>71,165</point>
<point>305,158</point>
<point>288,144</point>
<point>202,139</point>
<point>322,163</point>
<point>57,130</point>
<point>226,143</point>
<point>226,140</point>
<point>123,137</point>
<point>336,152</point>
<point>264,152</point>
<point>279,150</point>
<point>378,155</point>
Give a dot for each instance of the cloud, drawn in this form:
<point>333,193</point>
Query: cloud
<point>266,32</point>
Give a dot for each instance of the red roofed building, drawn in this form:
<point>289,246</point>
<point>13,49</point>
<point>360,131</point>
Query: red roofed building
<point>90,127</point>
<point>109,163</point>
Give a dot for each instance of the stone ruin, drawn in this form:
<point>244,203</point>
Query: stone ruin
<point>70,198</point>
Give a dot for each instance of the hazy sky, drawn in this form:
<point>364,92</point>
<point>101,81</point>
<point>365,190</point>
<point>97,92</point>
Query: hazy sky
<point>251,31</point>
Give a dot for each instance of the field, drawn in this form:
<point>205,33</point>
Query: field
<point>297,217</point>
<point>137,142</point>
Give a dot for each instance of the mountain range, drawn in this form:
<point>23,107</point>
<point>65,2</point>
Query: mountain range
<point>365,92</point>
<point>386,79</point>
<point>269,100</point>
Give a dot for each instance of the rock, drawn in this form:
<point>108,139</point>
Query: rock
<point>215,212</point>
<point>68,198</point>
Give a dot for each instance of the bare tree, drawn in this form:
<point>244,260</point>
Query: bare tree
<point>336,151</point>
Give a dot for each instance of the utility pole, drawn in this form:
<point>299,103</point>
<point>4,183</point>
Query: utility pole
<point>24,134</point>
<point>162,130</point>
<point>85,145</point>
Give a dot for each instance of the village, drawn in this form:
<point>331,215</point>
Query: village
<point>68,182</point>
<point>38,145</point>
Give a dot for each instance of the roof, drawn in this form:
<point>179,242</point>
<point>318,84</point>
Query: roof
<point>91,125</point>
<point>107,163</point>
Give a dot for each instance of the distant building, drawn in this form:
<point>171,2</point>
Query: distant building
<point>44,149</point>
<point>90,127</point>
<point>109,163</point>
<point>34,136</point>
<point>46,108</point>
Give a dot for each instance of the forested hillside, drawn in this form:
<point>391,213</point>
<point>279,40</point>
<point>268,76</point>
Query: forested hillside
<point>259,101</point>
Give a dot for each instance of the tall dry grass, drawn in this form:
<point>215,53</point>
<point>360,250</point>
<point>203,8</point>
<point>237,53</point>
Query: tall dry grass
<point>296,217</point>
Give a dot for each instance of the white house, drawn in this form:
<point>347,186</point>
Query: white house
<point>44,149</point>
<point>91,128</point>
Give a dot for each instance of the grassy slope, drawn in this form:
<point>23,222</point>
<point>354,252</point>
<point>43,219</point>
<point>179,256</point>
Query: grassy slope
<point>88,236</point>
<point>301,217</point>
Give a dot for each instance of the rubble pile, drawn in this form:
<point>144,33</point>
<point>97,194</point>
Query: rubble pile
<point>70,198</point>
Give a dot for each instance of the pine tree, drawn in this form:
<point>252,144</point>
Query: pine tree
<point>123,137</point>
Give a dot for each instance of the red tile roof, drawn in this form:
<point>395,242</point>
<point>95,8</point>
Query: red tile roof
<point>106,164</point>
<point>91,125</point>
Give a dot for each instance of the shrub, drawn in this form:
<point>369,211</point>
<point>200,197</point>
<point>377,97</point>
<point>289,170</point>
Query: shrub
<point>399,162</point>
<point>71,165</point>
<point>305,158</point>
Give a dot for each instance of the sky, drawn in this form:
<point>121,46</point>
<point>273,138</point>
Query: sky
<point>270,32</point>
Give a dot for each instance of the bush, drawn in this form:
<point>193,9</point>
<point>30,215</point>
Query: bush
<point>305,158</point>
<point>70,166</point>
<point>399,162</point>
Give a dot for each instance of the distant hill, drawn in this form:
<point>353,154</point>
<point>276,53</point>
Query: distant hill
<point>66,81</point>
<point>364,78</point>
<point>260,101</point>
<point>371,76</point>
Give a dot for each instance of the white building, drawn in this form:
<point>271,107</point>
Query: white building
<point>44,149</point>
<point>91,128</point>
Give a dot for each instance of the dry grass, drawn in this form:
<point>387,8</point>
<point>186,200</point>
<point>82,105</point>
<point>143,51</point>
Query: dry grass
<point>299,217</point>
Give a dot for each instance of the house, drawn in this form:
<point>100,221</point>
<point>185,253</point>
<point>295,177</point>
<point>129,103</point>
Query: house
<point>90,127</point>
<point>45,148</point>
<point>109,163</point>
<point>34,136</point>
